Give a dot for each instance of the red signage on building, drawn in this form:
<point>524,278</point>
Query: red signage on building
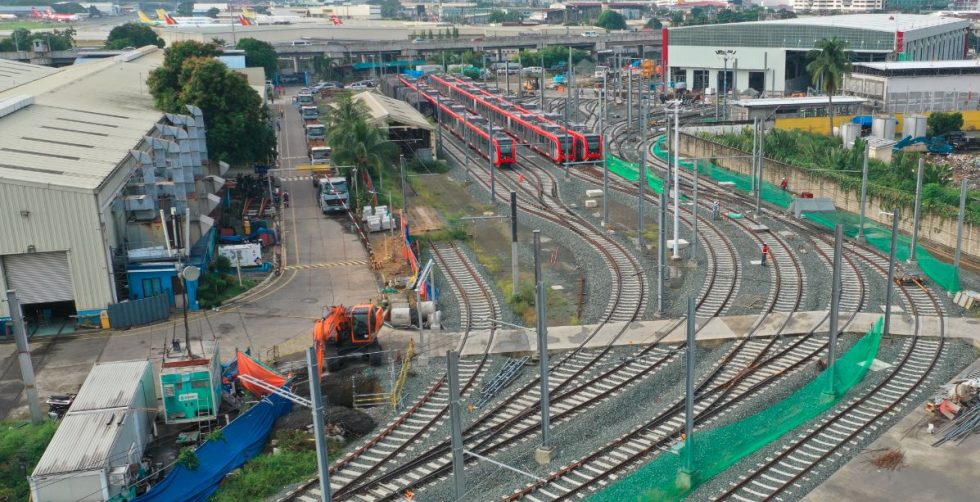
<point>900,41</point>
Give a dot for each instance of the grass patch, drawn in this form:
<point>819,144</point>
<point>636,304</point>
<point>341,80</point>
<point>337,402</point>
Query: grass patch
<point>266,474</point>
<point>21,446</point>
<point>27,25</point>
<point>215,288</point>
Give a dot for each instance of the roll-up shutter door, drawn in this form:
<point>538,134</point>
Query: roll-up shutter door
<point>39,277</point>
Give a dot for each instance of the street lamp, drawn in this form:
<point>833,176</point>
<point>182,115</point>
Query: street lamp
<point>725,54</point>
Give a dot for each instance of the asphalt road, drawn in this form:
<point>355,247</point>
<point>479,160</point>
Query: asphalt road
<point>325,265</point>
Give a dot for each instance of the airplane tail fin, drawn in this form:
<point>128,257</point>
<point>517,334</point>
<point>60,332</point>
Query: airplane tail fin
<point>162,14</point>
<point>244,20</point>
<point>35,13</point>
<point>144,18</point>
<point>248,13</point>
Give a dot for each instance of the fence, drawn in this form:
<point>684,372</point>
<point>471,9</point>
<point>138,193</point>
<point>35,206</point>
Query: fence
<point>135,312</point>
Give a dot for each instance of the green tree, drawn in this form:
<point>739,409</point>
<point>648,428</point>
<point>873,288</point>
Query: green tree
<point>390,9</point>
<point>185,9</point>
<point>829,62</point>
<point>355,142</point>
<point>93,11</point>
<point>455,32</point>
<point>611,20</point>
<point>503,16</point>
<point>58,40</point>
<point>68,8</point>
<point>677,18</point>
<point>431,35</point>
<point>164,81</point>
<point>654,24</point>
<point>132,35</point>
<point>259,53</point>
<point>942,123</point>
<point>238,125</point>
<point>324,67</point>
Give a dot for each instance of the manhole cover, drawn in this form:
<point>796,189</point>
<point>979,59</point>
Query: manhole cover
<point>225,328</point>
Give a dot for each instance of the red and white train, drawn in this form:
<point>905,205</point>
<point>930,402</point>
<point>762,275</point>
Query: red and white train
<point>587,145</point>
<point>472,129</point>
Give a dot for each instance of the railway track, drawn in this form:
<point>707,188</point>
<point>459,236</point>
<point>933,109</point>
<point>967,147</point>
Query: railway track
<point>427,414</point>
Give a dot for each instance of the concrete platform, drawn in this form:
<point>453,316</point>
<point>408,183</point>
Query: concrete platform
<point>720,328</point>
<point>948,472</point>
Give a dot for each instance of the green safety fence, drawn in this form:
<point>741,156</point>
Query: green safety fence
<point>631,171</point>
<point>942,273</point>
<point>671,477</point>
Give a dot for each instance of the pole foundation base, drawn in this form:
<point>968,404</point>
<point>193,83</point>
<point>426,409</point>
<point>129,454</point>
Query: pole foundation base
<point>685,479</point>
<point>544,454</point>
<point>861,239</point>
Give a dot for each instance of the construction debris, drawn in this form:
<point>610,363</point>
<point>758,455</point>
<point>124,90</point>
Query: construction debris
<point>889,459</point>
<point>958,402</point>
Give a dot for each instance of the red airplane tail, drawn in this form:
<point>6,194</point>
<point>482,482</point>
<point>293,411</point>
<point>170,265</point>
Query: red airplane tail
<point>336,20</point>
<point>244,20</point>
<point>171,21</point>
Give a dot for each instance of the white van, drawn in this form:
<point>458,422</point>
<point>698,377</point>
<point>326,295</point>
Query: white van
<point>590,34</point>
<point>300,43</point>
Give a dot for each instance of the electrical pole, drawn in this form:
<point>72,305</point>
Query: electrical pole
<point>677,180</point>
<point>835,293</point>
<point>439,120</point>
<point>493,178</point>
<point>959,228</point>
<point>864,193</point>
<point>689,402</point>
<point>761,158</point>
<point>541,52</point>
<point>456,425</point>
<point>466,146</point>
<point>755,152</point>
<point>896,217</point>
<point>515,273</point>
<point>24,357</point>
<point>543,453</point>
<point>916,213</point>
<point>662,251</point>
<point>629,97</point>
<point>643,182</point>
<point>401,169</point>
<point>316,400</point>
<point>694,223</point>
<point>605,162</point>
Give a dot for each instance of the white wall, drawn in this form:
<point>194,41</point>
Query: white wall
<point>749,59</point>
<point>85,486</point>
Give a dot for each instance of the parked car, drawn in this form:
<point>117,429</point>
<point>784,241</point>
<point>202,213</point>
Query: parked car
<point>418,41</point>
<point>590,34</point>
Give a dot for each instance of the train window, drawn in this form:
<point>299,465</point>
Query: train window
<point>505,147</point>
<point>594,142</point>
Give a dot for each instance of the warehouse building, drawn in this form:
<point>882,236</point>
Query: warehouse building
<point>87,167</point>
<point>97,451</point>
<point>917,86</point>
<point>770,57</point>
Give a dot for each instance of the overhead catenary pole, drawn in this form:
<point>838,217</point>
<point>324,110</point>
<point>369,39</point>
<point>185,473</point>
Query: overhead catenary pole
<point>959,227</point>
<point>864,193</point>
<point>677,180</point>
<point>835,293</point>
<point>541,53</point>
<point>493,177</point>
<point>896,217</point>
<point>542,332</point>
<point>689,387</point>
<point>515,272</point>
<point>916,213</point>
<point>316,399</point>
<point>401,170</point>
<point>643,181</point>
<point>605,161</point>
<point>24,357</point>
<point>629,96</point>
<point>661,252</point>
<point>456,426</point>
<point>760,159</point>
<point>755,150</point>
<point>694,218</point>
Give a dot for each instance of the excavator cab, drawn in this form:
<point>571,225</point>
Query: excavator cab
<point>349,333</point>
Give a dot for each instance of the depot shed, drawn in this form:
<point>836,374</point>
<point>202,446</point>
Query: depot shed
<point>95,454</point>
<point>406,126</point>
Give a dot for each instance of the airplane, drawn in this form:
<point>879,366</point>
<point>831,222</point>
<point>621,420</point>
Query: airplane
<point>150,21</point>
<point>8,17</point>
<point>336,20</point>
<point>263,19</point>
<point>51,15</point>
<point>184,21</point>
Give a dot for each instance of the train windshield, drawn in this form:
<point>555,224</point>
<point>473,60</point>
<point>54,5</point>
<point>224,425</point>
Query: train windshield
<point>505,147</point>
<point>594,142</point>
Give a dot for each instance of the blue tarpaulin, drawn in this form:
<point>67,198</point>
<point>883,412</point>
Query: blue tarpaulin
<point>243,439</point>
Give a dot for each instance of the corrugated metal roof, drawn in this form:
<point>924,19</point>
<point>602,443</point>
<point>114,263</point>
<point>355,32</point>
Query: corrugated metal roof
<point>385,110</point>
<point>15,73</point>
<point>806,100</point>
<point>82,443</point>
<point>891,22</point>
<point>111,385</point>
<point>920,65</point>
<point>82,125</point>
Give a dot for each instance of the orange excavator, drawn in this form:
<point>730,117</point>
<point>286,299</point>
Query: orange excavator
<point>348,333</point>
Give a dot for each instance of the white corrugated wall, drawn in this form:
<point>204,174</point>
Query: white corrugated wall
<point>57,220</point>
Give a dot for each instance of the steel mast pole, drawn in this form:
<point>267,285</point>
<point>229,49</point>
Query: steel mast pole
<point>689,387</point>
<point>761,157</point>
<point>864,193</point>
<point>316,400</point>
<point>605,162</point>
<point>515,272</point>
<point>643,181</point>
<point>694,222</point>
<point>677,180</point>
<point>835,293</point>
<point>917,212</point>
<point>542,332</point>
<point>959,228</point>
<point>456,426</point>
<point>896,217</point>
<point>661,252</point>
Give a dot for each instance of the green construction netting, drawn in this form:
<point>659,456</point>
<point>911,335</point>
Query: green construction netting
<point>943,274</point>
<point>713,451</point>
<point>631,171</point>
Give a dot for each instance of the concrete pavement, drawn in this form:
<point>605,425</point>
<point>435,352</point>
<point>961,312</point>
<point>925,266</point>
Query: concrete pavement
<point>325,265</point>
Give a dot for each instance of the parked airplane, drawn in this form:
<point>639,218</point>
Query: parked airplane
<point>51,15</point>
<point>184,21</point>
<point>148,20</point>
<point>8,17</point>
<point>336,20</point>
<point>264,19</point>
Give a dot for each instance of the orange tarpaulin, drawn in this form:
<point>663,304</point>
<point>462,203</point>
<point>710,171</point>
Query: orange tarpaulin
<point>251,367</point>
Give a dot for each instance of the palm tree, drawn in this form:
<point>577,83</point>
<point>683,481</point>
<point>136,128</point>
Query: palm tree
<point>829,62</point>
<point>355,142</point>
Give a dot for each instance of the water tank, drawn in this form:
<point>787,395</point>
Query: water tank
<point>914,125</point>
<point>849,132</point>
<point>883,127</point>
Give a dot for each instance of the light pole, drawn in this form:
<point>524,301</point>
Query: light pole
<point>864,193</point>
<point>725,55</point>
<point>605,163</point>
<point>677,179</point>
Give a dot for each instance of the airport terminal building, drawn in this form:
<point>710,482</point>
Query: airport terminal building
<point>770,57</point>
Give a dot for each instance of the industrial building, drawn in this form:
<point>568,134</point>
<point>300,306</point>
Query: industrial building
<point>917,86</point>
<point>770,57</point>
<point>837,5</point>
<point>96,453</point>
<point>91,176</point>
<point>405,126</point>
<point>809,106</point>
